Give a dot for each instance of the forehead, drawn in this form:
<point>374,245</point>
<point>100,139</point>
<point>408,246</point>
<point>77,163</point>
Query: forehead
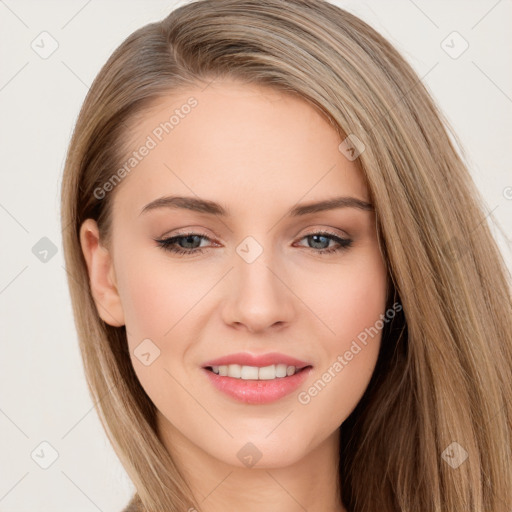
<point>242,145</point>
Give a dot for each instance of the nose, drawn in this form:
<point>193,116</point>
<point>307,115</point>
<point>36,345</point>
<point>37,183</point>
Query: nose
<point>258,296</point>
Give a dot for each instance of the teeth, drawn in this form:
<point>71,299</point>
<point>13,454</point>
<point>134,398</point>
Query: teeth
<point>246,372</point>
<point>281,370</point>
<point>254,372</point>
<point>267,372</point>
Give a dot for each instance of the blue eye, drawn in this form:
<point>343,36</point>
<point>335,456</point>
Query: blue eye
<point>169,244</point>
<point>175,243</point>
<point>319,238</point>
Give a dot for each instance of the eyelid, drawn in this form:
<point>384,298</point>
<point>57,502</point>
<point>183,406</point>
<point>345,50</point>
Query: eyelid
<point>315,228</point>
<point>186,232</point>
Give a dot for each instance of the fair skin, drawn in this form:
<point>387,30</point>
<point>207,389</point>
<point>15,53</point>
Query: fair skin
<point>258,153</point>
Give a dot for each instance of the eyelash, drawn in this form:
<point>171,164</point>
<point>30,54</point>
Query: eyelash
<point>168,243</point>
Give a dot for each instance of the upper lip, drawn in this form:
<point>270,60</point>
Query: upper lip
<point>246,359</point>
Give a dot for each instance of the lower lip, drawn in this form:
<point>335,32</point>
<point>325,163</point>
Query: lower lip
<point>258,391</point>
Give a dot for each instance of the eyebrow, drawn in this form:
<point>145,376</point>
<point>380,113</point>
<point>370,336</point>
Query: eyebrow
<point>213,208</point>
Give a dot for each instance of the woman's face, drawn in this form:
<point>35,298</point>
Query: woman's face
<point>255,279</point>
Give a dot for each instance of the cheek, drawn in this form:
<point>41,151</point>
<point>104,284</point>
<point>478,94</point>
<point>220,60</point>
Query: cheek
<point>154,293</point>
<point>351,302</point>
<point>347,298</point>
<point>146,304</point>
<point>161,300</point>
<point>155,299</point>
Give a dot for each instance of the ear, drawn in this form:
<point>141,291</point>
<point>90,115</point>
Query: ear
<point>102,277</point>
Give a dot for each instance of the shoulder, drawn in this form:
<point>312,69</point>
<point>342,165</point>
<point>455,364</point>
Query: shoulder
<point>133,505</point>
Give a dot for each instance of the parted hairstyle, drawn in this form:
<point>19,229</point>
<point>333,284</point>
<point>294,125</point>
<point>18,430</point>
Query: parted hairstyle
<point>444,369</point>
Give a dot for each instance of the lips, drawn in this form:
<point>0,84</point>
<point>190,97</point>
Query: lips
<point>262,360</point>
<point>257,390</point>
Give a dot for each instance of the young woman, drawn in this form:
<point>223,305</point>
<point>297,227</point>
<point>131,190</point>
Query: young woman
<point>286,293</point>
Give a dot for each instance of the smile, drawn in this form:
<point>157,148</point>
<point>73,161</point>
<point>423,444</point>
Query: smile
<point>256,385</point>
<point>271,372</point>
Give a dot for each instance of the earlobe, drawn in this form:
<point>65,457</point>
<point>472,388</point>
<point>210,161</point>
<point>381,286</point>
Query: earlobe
<point>102,278</point>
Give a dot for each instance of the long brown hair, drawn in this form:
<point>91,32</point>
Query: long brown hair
<point>441,390</point>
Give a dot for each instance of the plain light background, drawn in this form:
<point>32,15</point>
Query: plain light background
<point>43,393</point>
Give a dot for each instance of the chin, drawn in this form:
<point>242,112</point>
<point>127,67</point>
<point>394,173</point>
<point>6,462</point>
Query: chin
<point>262,451</point>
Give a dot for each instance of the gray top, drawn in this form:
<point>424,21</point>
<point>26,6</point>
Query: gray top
<point>133,505</point>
